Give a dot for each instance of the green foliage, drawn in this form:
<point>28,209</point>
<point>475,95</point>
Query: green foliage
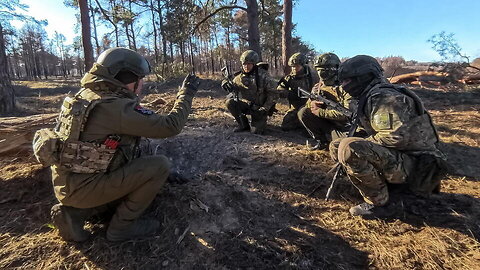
<point>447,47</point>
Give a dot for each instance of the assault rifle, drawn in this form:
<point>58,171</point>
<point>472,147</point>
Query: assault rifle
<point>302,93</point>
<point>228,76</point>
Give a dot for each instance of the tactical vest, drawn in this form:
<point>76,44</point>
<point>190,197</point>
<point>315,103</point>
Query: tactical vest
<point>62,144</point>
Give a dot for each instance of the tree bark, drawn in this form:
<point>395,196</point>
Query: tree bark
<point>7,94</point>
<point>253,31</point>
<point>86,34</point>
<point>286,35</point>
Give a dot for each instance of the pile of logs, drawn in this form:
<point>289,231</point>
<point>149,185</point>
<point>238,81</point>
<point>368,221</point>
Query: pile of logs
<point>432,78</point>
<point>16,133</point>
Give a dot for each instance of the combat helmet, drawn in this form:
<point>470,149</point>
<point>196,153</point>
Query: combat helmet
<point>297,59</point>
<point>115,60</point>
<point>360,66</point>
<point>249,56</point>
<point>327,60</point>
<point>357,73</point>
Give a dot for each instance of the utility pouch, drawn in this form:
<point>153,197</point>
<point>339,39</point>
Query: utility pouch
<point>46,143</point>
<point>86,157</point>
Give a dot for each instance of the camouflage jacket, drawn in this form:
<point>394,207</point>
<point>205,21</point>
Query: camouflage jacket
<point>288,86</point>
<point>395,117</point>
<point>256,87</point>
<point>334,93</point>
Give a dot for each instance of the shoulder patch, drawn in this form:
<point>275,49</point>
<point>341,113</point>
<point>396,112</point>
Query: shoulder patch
<point>143,110</point>
<point>382,121</point>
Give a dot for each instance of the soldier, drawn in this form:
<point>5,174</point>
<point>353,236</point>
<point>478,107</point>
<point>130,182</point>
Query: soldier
<point>254,94</point>
<point>323,123</point>
<point>299,77</point>
<point>401,146</point>
<point>99,165</point>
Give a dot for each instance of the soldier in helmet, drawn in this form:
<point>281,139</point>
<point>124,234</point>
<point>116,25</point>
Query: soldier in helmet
<point>323,123</point>
<point>402,142</point>
<point>99,162</point>
<point>300,76</point>
<point>256,94</point>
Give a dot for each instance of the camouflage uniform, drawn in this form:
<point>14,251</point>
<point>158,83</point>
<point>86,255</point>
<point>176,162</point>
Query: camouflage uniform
<point>131,179</point>
<point>256,97</point>
<point>401,134</point>
<point>287,88</point>
<point>329,123</point>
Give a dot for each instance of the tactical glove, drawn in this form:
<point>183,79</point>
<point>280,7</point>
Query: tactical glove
<point>190,84</point>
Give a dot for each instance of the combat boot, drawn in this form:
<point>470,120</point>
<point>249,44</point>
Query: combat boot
<point>370,211</point>
<point>70,221</point>
<point>243,124</point>
<point>137,229</point>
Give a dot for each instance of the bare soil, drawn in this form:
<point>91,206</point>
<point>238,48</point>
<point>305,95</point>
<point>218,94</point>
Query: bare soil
<point>246,205</point>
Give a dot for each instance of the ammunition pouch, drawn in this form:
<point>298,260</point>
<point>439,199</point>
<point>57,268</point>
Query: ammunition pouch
<point>85,157</point>
<point>427,174</point>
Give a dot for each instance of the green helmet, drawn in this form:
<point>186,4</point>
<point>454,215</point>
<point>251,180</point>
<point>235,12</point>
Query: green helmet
<point>119,59</point>
<point>297,59</point>
<point>327,60</point>
<point>249,56</point>
<point>360,66</point>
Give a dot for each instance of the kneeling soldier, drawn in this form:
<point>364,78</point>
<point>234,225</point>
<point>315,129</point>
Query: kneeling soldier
<point>98,162</point>
<point>401,146</point>
<point>253,94</point>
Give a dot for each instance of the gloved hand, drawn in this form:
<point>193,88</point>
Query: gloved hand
<point>191,84</point>
<point>227,85</point>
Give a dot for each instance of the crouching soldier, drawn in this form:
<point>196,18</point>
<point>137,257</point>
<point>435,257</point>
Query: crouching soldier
<point>300,76</point>
<point>325,123</point>
<point>98,162</point>
<point>401,147</point>
<point>253,94</point>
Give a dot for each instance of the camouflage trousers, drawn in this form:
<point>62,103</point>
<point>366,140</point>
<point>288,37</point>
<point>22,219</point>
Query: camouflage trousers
<point>290,120</point>
<point>321,129</point>
<point>371,166</point>
<point>239,109</point>
<point>132,186</point>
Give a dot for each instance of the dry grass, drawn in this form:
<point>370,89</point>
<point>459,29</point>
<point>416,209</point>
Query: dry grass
<point>246,206</point>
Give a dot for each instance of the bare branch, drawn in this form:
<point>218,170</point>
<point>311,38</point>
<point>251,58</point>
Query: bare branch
<point>215,12</point>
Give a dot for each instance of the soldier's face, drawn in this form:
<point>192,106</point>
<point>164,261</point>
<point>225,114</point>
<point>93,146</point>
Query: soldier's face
<point>247,67</point>
<point>297,68</point>
<point>136,87</point>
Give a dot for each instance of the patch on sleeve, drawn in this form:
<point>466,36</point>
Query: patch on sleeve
<point>382,121</point>
<point>142,110</point>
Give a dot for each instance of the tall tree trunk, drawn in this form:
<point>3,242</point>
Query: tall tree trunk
<point>134,43</point>
<point>95,34</point>
<point>253,31</point>
<point>155,34</point>
<point>86,34</point>
<point>7,94</point>
<point>286,35</point>
<point>162,33</point>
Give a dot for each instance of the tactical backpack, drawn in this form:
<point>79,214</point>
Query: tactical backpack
<point>61,146</point>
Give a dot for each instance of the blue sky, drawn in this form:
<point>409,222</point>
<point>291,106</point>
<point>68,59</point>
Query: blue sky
<point>349,27</point>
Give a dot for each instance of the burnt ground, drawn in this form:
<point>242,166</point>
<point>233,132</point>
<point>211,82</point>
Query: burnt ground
<point>247,203</point>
